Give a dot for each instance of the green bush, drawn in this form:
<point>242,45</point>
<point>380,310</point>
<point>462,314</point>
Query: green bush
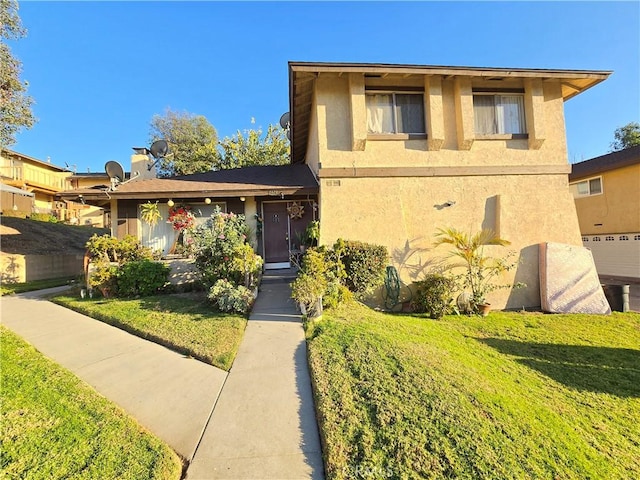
<point>104,277</point>
<point>364,266</point>
<point>217,243</point>
<point>44,217</point>
<point>231,298</point>
<point>111,249</point>
<point>141,278</point>
<point>434,295</point>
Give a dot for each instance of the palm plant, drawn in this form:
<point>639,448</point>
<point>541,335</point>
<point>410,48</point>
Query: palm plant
<point>150,214</point>
<point>481,270</point>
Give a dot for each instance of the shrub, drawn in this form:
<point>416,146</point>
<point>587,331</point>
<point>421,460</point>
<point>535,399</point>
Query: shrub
<point>249,263</point>
<point>141,277</point>
<point>216,243</point>
<point>44,217</point>
<point>103,277</point>
<point>111,249</point>
<point>434,295</point>
<point>231,298</point>
<point>364,266</point>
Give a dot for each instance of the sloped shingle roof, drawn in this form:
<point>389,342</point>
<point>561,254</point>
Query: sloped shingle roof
<point>604,163</point>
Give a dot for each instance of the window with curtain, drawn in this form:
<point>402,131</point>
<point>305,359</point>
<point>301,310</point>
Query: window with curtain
<point>390,113</point>
<point>498,114</point>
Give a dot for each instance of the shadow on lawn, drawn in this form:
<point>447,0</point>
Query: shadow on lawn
<point>615,371</point>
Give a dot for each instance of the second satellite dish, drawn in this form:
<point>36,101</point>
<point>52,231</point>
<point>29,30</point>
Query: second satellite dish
<point>285,121</point>
<point>114,171</point>
<point>159,149</point>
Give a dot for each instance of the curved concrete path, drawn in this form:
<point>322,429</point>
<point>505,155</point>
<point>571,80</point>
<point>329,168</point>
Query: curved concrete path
<point>169,394</point>
<point>257,422</point>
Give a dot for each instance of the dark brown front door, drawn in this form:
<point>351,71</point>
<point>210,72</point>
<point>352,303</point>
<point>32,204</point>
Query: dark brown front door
<point>276,232</point>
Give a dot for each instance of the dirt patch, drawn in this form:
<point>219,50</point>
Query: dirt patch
<point>31,237</point>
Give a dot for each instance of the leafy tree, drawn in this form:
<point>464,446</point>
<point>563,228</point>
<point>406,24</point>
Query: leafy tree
<point>626,137</point>
<point>15,104</point>
<point>193,143</point>
<point>252,148</point>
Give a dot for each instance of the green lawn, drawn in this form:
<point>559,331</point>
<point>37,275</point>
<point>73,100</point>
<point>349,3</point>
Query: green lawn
<point>55,426</point>
<point>513,395</point>
<point>186,323</point>
<point>11,288</point>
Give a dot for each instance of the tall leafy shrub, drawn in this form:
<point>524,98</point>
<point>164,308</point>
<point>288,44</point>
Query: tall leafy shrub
<point>364,265</point>
<point>141,278</point>
<point>215,245</point>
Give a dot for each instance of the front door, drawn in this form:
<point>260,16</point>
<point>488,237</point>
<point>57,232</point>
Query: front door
<point>276,233</point>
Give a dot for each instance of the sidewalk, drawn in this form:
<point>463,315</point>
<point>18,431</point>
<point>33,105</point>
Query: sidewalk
<point>264,425</point>
<point>169,394</point>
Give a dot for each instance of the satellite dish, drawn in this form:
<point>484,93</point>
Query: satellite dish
<point>159,149</point>
<point>285,120</point>
<point>114,171</point>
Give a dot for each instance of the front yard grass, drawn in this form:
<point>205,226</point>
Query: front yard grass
<point>510,396</point>
<point>186,323</point>
<point>11,288</point>
<point>56,426</point>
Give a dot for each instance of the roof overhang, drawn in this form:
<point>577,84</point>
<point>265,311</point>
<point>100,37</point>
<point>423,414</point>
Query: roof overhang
<point>241,182</point>
<point>17,191</point>
<point>604,163</point>
<point>303,74</point>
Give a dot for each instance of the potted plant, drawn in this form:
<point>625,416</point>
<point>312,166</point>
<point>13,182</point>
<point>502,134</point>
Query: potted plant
<point>482,272</point>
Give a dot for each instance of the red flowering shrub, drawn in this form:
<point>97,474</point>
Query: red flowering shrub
<point>181,218</point>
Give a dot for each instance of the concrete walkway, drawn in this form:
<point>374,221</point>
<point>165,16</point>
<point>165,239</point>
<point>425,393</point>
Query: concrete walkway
<point>264,426</point>
<point>169,394</point>
<point>257,422</point>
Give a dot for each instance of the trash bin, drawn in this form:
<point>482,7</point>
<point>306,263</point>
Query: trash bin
<point>617,296</point>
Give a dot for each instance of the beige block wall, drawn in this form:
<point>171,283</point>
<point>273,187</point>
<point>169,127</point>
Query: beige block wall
<point>26,268</point>
<point>617,209</point>
<point>404,214</point>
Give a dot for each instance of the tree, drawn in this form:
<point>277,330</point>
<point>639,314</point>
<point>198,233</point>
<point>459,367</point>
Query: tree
<point>626,137</point>
<point>193,143</point>
<point>15,104</point>
<point>251,148</point>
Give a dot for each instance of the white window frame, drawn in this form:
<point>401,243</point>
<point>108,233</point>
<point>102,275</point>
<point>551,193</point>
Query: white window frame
<point>499,129</point>
<point>586,191</point>
<point>396,133</point>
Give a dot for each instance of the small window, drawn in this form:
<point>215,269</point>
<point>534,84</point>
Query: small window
<point>623,237</point>
<point>586,188</point>
<point>609,238</point>
<point>392,113</point>
<point>498,114</point>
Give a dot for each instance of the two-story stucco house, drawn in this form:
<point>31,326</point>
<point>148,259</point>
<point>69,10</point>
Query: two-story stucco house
<point>607,196</point>
<point>402,150</point>
<point>388,154</point>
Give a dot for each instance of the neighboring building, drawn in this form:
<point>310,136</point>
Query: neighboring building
<point>606,190</point>
<point>30,186</point>
<point>388,154</point>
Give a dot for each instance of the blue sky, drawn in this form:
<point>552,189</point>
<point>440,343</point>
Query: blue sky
<point>99,71</point>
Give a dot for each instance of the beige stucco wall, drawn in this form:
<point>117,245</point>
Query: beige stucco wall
<point>16,268</point>
<point>617,209</point>
<point>333,134</point>
<point>403,212</point>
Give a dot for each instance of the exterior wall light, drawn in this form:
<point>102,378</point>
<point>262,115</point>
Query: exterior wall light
<point>242,199</point>
<point>207,200</point>
<point>170,203</point>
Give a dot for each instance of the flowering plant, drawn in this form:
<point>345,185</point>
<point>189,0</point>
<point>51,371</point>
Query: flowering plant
<point>181,218</point>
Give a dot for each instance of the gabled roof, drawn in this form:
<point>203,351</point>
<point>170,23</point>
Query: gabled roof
<point>302,77</point>
<point>247,181</point>
<point>604,163</point>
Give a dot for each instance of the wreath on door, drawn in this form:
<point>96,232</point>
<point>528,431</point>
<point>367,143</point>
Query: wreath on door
<point>295,210</point>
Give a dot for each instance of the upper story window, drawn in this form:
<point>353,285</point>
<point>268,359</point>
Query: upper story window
<point>586,188</point>
<point>395,113</point>
<point>498,113</point>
